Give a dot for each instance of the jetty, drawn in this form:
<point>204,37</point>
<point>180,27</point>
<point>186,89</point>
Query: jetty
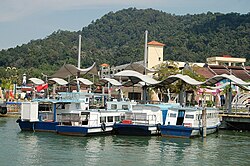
<point>235,121</point>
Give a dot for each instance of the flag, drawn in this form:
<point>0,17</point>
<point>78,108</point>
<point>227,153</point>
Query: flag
<point>41,87</point>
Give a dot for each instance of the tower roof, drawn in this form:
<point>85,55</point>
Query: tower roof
<point>156,43</point>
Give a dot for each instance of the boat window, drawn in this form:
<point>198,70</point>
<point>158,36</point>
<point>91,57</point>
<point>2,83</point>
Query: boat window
<point>172,115</point>
<point>117,118</point>
<point>103,119</point>
<point>125,107</point>
<point>188,116</point>
<point>113,106</point>
<point>110,118</point>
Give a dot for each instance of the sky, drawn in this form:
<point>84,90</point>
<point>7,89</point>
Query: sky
<point>24,20</point>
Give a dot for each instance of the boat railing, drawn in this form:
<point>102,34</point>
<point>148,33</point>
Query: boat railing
<point>72,95</point>
<point>141,118</point>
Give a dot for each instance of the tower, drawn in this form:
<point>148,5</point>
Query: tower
<point>155,54</point>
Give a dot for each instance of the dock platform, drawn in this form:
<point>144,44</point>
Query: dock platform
<point>235,121</point>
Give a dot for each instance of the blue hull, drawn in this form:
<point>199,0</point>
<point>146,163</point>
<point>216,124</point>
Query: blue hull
<point>37,126</point>
<point>132,130</point>
<point>176,131</point>
<point>185,132</point>
<point>80,130</point>
<point>72,130</point>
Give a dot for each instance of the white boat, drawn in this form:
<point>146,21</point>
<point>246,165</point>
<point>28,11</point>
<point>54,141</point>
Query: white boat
<point>187,122</point>
<point>143,120</point>
<point>93,121</point>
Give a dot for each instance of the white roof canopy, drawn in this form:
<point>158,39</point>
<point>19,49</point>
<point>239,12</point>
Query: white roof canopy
<point>136,77</point>
<point>171,79</point>
<point>58,81</point>
<point>36,81</point>
<point>210,82</point>
<point>111,81</point>
<point>84,81</point>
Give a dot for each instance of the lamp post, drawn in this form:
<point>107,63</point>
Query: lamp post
<point>46,81</point>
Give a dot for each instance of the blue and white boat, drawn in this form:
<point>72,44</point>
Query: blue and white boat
<point>35,118</point>
<point>86,123</point>
<point>143,120</point>
<point>71,111</point>
<point>186,122</point>
<point>93,121</point>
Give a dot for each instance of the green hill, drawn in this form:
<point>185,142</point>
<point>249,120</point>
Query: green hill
<point>118,38</point>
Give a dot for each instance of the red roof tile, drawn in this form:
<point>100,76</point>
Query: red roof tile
<point>156,43</point>
<point>205,72</point>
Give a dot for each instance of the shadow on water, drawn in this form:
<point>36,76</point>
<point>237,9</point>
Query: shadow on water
<point>3,121</point>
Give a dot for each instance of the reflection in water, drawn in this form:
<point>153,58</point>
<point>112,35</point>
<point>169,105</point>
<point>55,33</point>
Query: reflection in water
<point>28,148</point>
<point>3,121</point>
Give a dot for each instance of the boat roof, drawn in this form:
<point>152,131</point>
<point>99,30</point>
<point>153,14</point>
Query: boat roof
<point>166,106</point>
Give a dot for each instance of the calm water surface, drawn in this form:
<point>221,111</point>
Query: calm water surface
<point>28,148</point>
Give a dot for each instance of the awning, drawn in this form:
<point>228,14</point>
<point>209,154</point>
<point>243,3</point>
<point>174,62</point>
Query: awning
<point>136,77</point>
<point>36,81</point>
<point>217,78</point>
<point>58,81</point>
<point>111,81</point>
<point>210,82</point>
<point>171,79</point>
<point>84,81</point>
<point>70,70</point>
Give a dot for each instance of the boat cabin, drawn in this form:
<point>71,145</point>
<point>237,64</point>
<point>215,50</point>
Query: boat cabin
<point>190,116</point>
<point>90,118</point>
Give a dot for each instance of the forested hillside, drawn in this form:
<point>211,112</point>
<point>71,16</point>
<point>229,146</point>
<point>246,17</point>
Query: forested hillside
<point>118,38</point>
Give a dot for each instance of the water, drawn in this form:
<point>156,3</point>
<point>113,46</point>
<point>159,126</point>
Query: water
<point>28,148</point>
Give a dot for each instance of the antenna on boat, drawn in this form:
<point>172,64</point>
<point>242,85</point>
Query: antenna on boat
<point>79,63</point>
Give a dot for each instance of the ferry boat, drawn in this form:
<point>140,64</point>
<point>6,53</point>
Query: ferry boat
<point>186,122</point>
<point>64,111</point>
<point>143,120</point>
<point>86,123</point>
<point>93,121</point>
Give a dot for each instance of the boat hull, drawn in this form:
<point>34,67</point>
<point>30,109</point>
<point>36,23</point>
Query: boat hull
<point>37,126</point>
<point>135,130</point>
<point>185,132</point>
<point>82,131</point>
